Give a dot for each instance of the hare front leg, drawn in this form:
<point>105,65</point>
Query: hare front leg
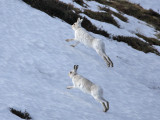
<point>75,44</point>
<point>70,87</point>
<point>68,40</point>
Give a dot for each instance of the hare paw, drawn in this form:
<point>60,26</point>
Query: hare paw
<point>67,40</point>
<point>73,45</point>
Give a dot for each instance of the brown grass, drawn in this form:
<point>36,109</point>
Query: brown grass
<point>121,17</point>
<point>151,41</point>
<point>136,44</point>
<point>24,115</point>
<point>80,2</point>
<point>101,16</point>
<point>157,35</point>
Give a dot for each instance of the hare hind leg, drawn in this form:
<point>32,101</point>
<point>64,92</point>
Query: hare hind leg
<point>106,103</point>
<point>108,60</point>
<point>105,108</point>
<point>103,102</point>
<point>104,56</point>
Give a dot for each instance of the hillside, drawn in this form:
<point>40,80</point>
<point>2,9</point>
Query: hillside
<point>35,60</point>
<point>119,20</point>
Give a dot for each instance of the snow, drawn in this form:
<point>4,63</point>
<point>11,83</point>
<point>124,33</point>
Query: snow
<point>148,4</point>
<point>136,26</point>
<point>34,64</point>
<point>73,3</point>
<point>94,6</point>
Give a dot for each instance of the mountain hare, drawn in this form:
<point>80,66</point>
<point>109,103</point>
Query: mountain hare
<point>81,35</point>
<point>88,87</point>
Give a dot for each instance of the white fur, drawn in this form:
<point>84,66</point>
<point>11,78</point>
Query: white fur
<point>87,86</point>
<point>81,35</point>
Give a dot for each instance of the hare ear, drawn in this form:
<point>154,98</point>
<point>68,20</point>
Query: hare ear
<point>78,20</point>
<point>81,20</point>
<point>75,67</point>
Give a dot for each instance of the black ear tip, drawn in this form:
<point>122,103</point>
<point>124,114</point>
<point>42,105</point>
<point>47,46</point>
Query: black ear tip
<point>75,66</point>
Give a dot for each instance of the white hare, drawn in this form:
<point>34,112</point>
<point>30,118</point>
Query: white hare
<point>88,87</point>
<point>81,35</point>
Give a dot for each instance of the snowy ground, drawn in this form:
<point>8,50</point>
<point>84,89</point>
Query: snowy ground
<point>35,61</point>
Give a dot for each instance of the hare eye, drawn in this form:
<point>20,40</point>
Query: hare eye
<point>70,72</point>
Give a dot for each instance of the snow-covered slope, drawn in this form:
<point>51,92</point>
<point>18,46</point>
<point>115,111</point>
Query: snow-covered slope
<point>35,61</point>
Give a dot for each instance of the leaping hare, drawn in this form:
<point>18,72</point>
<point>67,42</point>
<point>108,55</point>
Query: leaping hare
<point>81,35</point>
<point>87,86</point>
